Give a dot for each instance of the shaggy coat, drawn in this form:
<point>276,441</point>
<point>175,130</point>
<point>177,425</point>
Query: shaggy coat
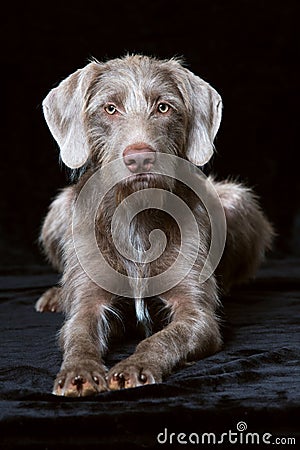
<point>123,114</point>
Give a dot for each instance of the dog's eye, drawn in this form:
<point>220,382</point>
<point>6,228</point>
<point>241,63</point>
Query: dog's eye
<point>110,109</point>
<point>163,108</point>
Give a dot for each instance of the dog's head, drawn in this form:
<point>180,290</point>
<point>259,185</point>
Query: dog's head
<point>133,108</point>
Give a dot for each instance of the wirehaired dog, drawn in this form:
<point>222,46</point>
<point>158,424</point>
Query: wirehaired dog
<point>132,111</point>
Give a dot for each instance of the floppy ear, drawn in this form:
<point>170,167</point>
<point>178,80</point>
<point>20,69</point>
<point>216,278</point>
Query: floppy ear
<point>206,111</point>
<point>63,110</point>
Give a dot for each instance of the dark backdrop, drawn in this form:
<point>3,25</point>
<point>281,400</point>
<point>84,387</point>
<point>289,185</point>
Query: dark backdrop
<point>247,49</point>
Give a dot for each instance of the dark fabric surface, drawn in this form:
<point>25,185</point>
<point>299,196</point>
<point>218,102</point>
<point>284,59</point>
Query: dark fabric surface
<point>255,379</point>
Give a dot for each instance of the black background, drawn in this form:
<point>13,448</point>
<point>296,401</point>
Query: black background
<point>247,49</point>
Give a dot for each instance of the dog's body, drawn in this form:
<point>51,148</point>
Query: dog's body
<point>129,111</point>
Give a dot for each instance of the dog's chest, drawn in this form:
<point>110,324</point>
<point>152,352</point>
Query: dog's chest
<point>145,263</point>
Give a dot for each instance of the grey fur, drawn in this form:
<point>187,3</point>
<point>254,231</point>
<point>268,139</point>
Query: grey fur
<point>88,136</point>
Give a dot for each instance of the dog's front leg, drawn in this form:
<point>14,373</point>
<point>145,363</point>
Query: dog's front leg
<point>83,339</point>
<point>192,334</point>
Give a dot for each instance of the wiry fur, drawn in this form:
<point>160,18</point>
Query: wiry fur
<point>90,138</point>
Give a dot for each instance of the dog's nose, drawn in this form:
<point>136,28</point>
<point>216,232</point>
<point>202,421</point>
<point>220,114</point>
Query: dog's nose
<point>139,158</point>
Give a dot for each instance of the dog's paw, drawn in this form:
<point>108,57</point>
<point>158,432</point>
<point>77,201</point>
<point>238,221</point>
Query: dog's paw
<point>129,374</point>
<point>49,301</point>
<point>80,382</point>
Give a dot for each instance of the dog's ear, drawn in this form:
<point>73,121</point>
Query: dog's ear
<point>205,106</point>
<point>64,113</point>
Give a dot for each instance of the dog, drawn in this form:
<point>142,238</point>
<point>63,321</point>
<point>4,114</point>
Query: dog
<point>133,122</point>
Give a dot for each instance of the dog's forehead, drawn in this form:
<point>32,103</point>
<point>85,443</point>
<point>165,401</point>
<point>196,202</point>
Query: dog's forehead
<point>140,74</point>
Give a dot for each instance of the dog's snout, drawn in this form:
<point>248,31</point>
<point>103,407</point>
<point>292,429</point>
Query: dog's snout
<point>139,158</point>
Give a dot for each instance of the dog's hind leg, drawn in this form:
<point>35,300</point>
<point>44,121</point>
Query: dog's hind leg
<point>55,226</point>
<point>52,240</point>
<point>49,301</point>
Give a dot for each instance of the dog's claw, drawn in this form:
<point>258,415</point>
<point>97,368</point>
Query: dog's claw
<point>143,378</point>
<point>96,379</point>
<point>79,383</point>
<point>131,376</point>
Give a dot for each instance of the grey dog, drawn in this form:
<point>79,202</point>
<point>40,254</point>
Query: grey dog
<point>132,110</point>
